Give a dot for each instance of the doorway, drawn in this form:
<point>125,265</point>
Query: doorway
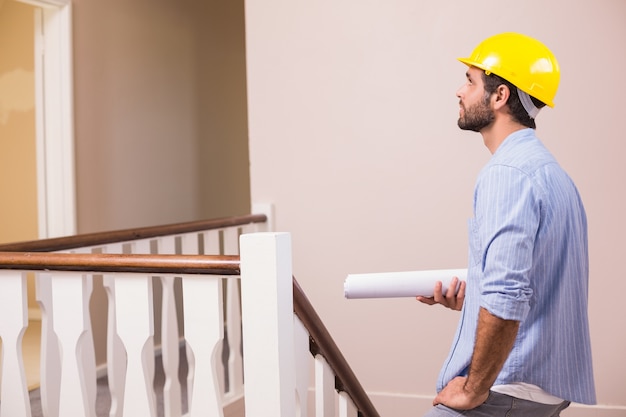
<point>36,134</point>
<point>51,69</point>
<point>47,48</point>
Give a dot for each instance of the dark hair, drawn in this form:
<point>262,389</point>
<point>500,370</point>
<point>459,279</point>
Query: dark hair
<point>516,109</point>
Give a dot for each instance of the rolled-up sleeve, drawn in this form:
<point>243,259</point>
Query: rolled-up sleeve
<point>506,235</point>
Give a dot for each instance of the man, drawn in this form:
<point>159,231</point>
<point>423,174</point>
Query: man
<point>522,347</point>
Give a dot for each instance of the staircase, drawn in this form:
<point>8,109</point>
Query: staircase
<point>226,297</point>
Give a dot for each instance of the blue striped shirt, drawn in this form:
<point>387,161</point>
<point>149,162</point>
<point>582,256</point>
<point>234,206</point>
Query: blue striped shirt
<point>528,261</point>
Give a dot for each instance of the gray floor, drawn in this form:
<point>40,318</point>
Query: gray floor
<point>103,398</point>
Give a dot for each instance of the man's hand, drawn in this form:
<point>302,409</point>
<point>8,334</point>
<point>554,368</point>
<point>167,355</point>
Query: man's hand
<point>451,299</point>
<point>495,338</point>
<point>457,395</point>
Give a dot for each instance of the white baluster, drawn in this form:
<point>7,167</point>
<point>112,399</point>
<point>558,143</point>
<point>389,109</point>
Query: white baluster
<point>70,302</point>
<point>233,320</point>
<point>50,366</point>
<point>13,323</point>
<point>170,350</point>
<point>303,360</point>
<point>211,240</point>
<point>87,347</point>
<point>211,243</point>
<point>117,248</point>
<point>324,388</point>
<point>204,332</point>
<point>346,406</point>
<point>116,355</point>
<point>189,244</point>
<point>233,326</point>
<point>231,241</point>
<point>170,345</point>
<point>135,327</point>
<point>86,249</point>
<point>167,245</point>
<point>141,246</point>
<point>267,310</point>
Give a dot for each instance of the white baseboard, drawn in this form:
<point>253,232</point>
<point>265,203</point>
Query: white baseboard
<point>408,405</point>
<point>600,410</point>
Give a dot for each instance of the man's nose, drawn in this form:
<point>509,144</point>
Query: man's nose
<point>459,92</point>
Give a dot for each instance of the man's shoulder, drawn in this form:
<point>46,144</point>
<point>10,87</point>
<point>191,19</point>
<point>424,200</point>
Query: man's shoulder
<point>526,154</point>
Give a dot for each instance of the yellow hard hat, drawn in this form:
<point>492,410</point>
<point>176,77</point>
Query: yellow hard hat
<point>521,60</point>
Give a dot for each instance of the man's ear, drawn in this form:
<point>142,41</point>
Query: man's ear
<point>501,96</point>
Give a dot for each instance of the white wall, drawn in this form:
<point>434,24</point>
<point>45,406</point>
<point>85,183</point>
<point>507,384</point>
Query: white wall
<point>353,137</point>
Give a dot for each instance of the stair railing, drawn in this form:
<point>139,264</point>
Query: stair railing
<point>69,372</point>
<point>215,236</point>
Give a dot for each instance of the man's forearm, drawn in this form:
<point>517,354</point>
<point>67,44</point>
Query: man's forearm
<point>494,340</point>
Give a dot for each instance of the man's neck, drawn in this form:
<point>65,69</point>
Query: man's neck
<point>496,133</point>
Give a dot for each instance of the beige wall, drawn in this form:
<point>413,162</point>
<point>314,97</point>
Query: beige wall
<point>18,170</point>
<point>160,112</point>
<point>353,137</point>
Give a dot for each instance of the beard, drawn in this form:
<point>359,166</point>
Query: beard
<point>476,117</point>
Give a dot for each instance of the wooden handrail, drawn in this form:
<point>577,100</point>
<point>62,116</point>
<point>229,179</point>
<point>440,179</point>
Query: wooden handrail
<point>102,238</point>
<point>323,343</point>
<point>101,262</point>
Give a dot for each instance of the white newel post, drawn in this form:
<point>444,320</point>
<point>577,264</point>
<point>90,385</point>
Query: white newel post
<point>14,313</point>
<point>268,330</point>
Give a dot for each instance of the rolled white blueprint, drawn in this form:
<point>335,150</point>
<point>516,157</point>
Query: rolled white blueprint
<point>399,284</point>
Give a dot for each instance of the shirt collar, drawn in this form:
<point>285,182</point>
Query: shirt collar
<point>513,139</point>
